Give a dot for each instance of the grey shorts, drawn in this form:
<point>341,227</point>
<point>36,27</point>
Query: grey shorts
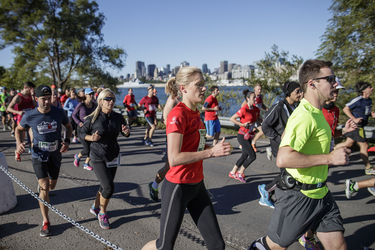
<point>296,213</point>
<point>358,135</point>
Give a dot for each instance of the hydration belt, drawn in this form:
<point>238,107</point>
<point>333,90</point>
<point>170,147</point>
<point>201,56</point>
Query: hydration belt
<point>287,182</point>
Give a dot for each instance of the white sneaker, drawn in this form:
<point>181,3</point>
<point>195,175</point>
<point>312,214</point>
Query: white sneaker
<point>269,153</point>
<point>74,140</point>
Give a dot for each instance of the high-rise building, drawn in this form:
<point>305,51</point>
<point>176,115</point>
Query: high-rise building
<point>151,69</point>
<point>184,64</point>
<point>168,68</point>
<point>204,68</point>
<point>230,67</point>
<point>140,69</point>
<point>223,67</point>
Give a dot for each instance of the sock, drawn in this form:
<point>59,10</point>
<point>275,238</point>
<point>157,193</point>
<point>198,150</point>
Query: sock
<point>259,244</point>
<point>232,172</point>
<point>101,214</point>
<point>155,185</point>
<point>253,143</point>
<point>93,206</point>
<point>356,186</point>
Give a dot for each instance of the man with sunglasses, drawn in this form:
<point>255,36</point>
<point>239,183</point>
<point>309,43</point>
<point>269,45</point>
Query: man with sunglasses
<point>149,103</point>
<point>303,200</point>
<point>359,110</point>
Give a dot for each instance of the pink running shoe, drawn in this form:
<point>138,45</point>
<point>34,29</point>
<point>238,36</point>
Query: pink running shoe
<point>76,160</point>
<point>234,176</point>
<point>240,177</point>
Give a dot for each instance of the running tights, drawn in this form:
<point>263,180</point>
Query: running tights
<point>105,176</point>
<point>248,154</point>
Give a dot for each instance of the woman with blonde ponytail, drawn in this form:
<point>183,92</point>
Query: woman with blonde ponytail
<point>183,186</point>
<point>102,128</point>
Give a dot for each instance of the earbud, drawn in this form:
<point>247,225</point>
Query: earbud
<point>312,84</point>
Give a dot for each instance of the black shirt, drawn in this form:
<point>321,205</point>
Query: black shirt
<point>108,127</point>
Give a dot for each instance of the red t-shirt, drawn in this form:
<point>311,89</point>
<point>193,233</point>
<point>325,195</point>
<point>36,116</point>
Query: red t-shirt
<point>247,115</point>
<point>258,102</point>
<point>26,104</point>
<point>187,122</point>
<point>212,103</point>
<point>129,102</point>
<point>63,99</point>
<point>332,117</point>
<point>150,104</point>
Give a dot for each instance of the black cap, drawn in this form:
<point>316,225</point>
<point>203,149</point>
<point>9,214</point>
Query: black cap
<point>43,90</point>
<point>289,87</point>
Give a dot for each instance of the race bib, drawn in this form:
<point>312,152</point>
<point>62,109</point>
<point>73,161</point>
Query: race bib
<point>368,110</point>
<point>202,139</point>
<point>48,146</point>
<point>114,163</point>
<point>131,105</point>
<point>151,107</point>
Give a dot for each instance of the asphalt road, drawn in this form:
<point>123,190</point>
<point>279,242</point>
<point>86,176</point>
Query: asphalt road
<point>134,217</point>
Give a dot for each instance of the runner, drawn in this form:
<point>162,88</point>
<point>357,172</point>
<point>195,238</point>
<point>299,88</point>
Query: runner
<point>248,115</point>
<point>45,122</point>
<point>211,108</point>
<point>82,110</point>
<point>353,187</point>
<point>55,100</point>
<point>273,127</point>
<point>69,106</point>
<point>65,96</point>
<point>129,106</point>
<point>149,104</point>
<point>3,108</point>
<point>25,101</point>
<point>8,100</point>
<point>184,187</point>
<point>102,128</point>
<point>172,101</point>
<point>359,110</point>
<point>260,105</point>
<point>303,200</point>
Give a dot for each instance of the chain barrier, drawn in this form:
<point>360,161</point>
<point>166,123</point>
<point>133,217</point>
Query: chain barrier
<point>97,237</point>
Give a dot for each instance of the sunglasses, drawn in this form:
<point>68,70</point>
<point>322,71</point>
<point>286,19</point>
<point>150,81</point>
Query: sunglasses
<point>330,79</point>
<point>108,99</point>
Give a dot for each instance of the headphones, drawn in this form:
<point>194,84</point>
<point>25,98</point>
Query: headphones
<point>286,89</point>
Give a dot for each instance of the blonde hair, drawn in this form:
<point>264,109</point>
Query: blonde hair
<point>103,94</point>
<point>183,77</point>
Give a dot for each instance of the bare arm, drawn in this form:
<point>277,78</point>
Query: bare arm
<point>18,135</point>
<point>176,157</point>
<point>167,108</point>
<point>211,109</point>
<point>234,120</point>
<point>287,157</point>
<point>350,115</point>
<point>16,100</point>
<point>65,145</point>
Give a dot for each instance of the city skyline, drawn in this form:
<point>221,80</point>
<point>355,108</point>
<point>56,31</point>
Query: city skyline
<point>208,32</point>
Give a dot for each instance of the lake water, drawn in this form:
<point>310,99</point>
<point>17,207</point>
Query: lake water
<point>233,105</point>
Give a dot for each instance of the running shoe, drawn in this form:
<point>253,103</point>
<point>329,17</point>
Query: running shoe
<point>76,160</point>
<point>234,176</point>
<point>9,127</point>
<point>149,142</point>
<point>154,194</point>
<point>240,146</point>
<point>87,166</point>
<point>103,221</point>
<point>45,229</point>
<point>144,141</point>
<point>17,156</point>
<point>12,133</point>
<point>255,149</point>
<point>269,153</point>
<point>370,171</point>
<point>371,190</point>
<point>240,177</point>
<point>4,128</point>
<point>309,244</point>
<point>264,197</point>
<point>95,211</point>
<point>349,188</point>
<point>74,140</point>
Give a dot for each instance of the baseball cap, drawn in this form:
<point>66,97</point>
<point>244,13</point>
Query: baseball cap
<point>89,91</point>
<point>53,86</point>
<point>102,86</point>
<point>59,90</point>
<point>43,90</point>
<point>339,86</point>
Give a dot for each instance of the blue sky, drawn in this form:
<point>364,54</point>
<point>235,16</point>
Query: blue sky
<point>238,31</point>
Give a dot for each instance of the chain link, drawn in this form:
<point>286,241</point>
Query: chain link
<point>92,234</point>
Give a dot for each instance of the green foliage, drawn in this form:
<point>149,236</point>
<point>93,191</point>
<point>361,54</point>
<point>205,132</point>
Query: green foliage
<point>274,70</point>
<point>56,41</point>
<point>349,42</point>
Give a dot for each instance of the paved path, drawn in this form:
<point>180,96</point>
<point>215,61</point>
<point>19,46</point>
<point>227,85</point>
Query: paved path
<point>135,219</point>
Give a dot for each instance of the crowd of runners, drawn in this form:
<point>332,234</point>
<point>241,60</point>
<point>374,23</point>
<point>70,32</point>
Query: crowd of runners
<point>301,128</point>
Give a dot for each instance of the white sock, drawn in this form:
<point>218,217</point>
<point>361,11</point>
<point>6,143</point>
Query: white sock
<point>155,185</point>
<point>356,186</point>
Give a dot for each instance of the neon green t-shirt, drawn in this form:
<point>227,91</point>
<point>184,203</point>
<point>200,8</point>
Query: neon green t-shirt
<point>308,132</point>
<point>2,100</point>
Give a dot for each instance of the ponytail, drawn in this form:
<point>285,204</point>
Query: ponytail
<point>171,87</point>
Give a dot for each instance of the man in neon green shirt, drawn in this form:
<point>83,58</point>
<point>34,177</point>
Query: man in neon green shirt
<point>4,114</point>
<point>303,200</point>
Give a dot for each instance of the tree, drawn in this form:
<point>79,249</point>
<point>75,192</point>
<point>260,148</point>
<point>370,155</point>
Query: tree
<point>349,42</point>
<point>273,71</point>
<point>60,39</point>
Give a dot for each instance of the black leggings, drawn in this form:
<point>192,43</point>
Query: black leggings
<point>74,126</point>
<point>175,199</point>
<point>85,144</point>
<point>105,176</point>
<point>248,154</point>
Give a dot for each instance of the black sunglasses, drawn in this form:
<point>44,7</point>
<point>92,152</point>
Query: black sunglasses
<point>108,99</point>
<point>330,79</point>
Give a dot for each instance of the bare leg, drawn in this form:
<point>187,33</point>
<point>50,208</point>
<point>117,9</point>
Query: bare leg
<point>242,170</point>
<point>309,234</point>
<point>366,183</point>
<point>97,200</point>
<point>103,204</point>
<point>216,138</point>
<point>151,132</point>
<point>87,160</point>
<point>258,135</point>
<point>364,154</point>
<point>150,246</point>
<point>234,170</point>
<point>332,240</point>
<point>44,185</point>
<point>274,246</point>
<point>348,143</point>
<point>146,132</point>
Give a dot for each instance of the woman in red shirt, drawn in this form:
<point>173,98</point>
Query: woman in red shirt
<point>183,186</point>
<point>248,115</point>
